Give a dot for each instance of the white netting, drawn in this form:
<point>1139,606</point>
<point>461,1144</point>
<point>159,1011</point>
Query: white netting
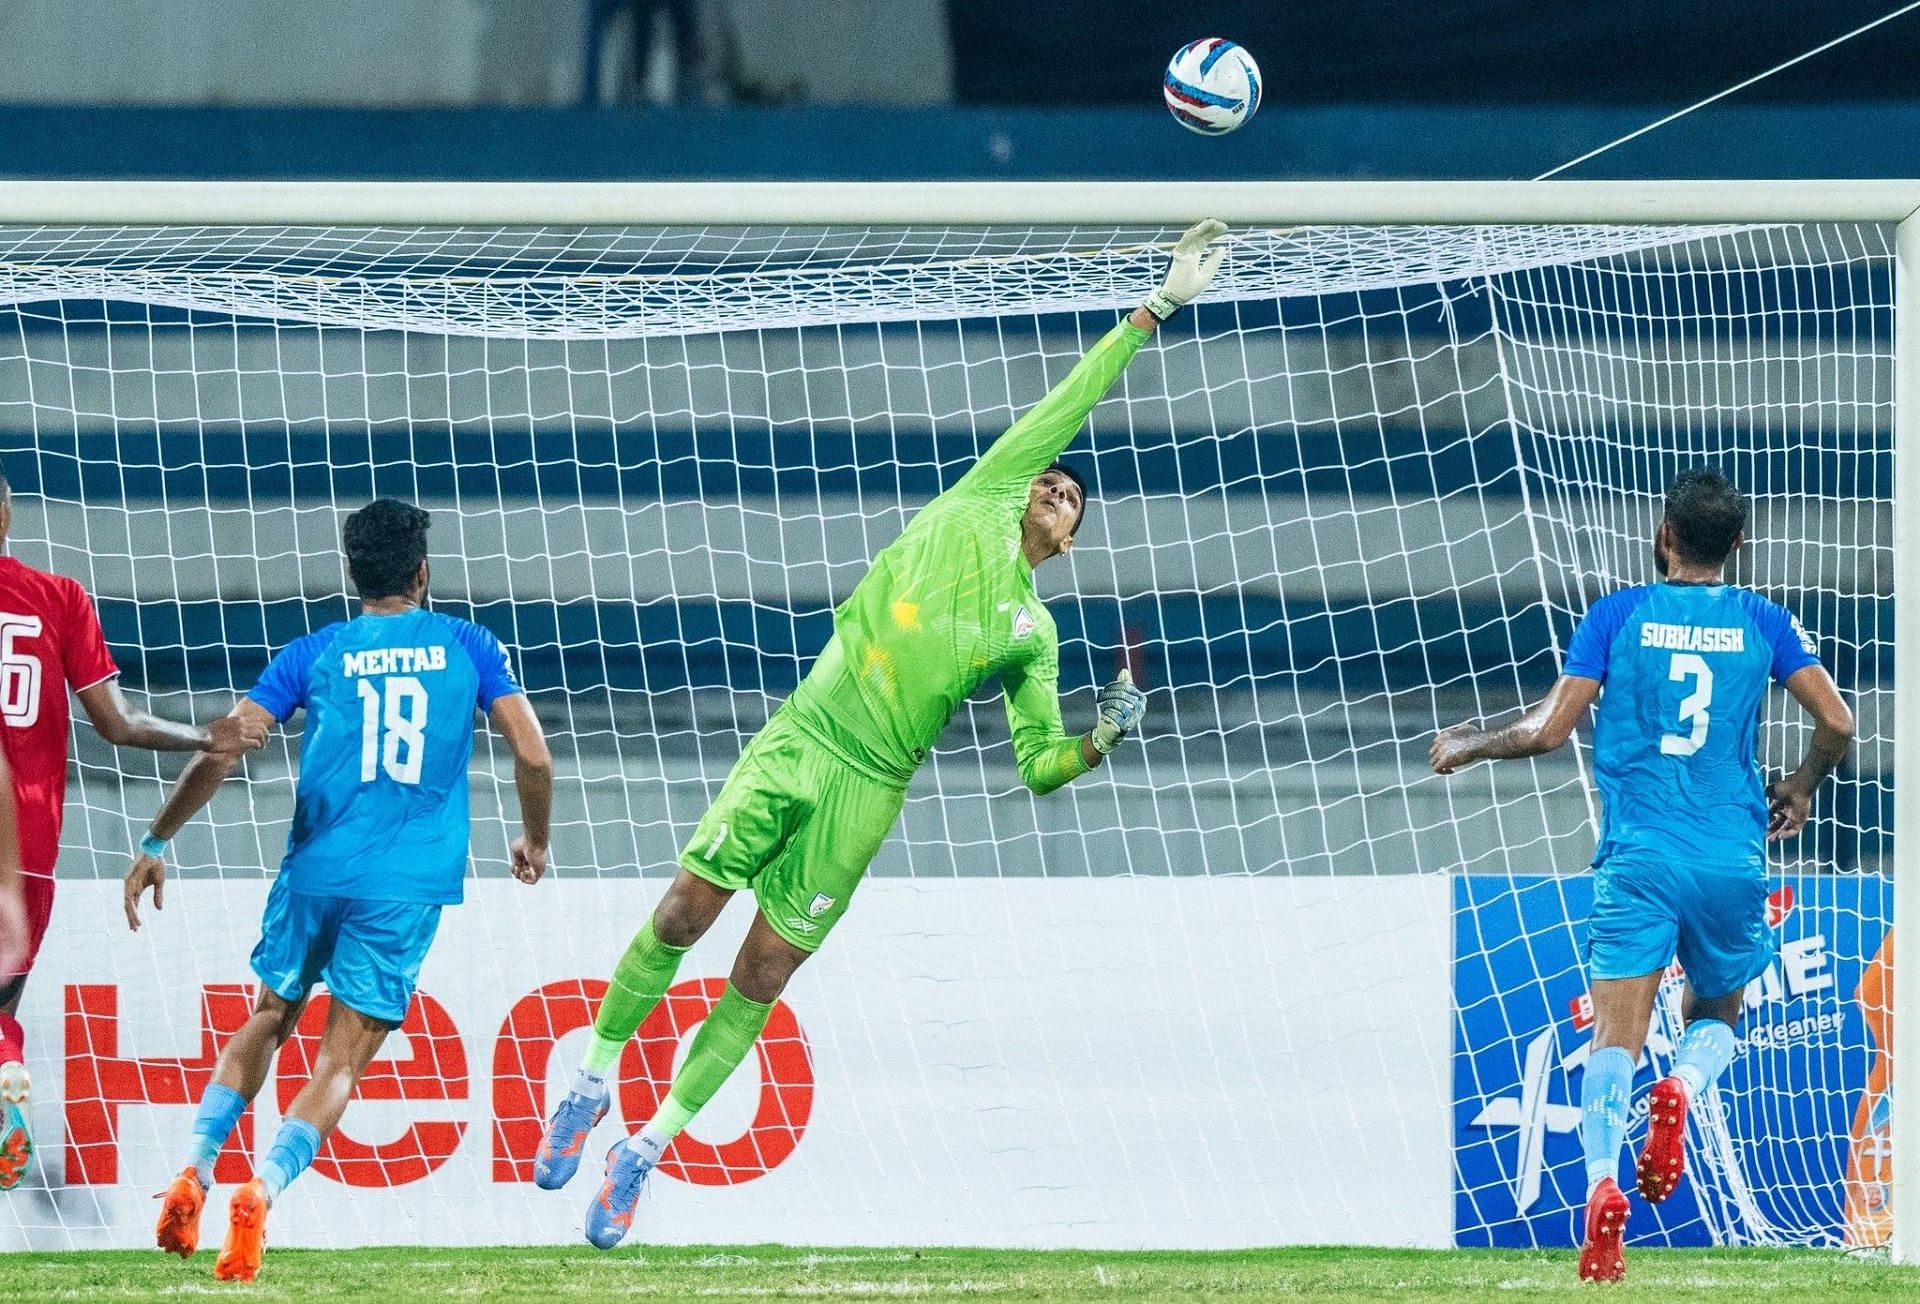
<point>1352,498</point>
<point>1769,355</point>
<point>593,284</point>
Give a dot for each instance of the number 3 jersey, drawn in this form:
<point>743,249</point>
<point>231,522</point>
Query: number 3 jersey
<point>50,641</point>
<point>381,812</point>
<point>1675,736</point>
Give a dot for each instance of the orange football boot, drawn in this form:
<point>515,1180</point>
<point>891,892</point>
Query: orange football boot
<point>246,1234</point>
<point>178,1231</point>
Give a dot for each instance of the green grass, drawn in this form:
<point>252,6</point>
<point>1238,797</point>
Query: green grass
<point>395,1276</point>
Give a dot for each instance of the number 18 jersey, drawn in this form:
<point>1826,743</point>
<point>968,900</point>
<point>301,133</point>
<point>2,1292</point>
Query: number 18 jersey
<point>1675,735</point>
<point>381,810</point>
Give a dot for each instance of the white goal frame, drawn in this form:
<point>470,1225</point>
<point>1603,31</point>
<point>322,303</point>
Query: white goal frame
<point>1897,202</point>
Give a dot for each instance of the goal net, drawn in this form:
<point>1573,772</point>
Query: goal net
<point>1200,997</point>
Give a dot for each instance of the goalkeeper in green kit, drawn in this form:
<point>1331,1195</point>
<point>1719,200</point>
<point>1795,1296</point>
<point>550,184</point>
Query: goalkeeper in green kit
<point>945,607</point>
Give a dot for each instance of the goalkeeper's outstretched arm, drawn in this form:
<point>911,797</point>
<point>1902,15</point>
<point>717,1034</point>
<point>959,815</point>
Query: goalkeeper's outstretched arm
<point>1048,758</point>
<point>1031,444</point>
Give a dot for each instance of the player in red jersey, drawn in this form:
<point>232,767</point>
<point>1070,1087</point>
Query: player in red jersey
<point>50,641</point>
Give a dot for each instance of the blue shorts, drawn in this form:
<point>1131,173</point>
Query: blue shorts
<point>1712,918</point>
<point>367,952</point>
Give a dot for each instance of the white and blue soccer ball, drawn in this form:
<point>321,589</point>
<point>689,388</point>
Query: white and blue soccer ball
<point>1212,86</point>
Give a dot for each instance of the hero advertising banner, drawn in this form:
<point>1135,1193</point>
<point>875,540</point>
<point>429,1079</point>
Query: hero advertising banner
<point>1117,1062</point>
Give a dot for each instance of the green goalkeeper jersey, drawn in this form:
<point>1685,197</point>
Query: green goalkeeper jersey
<point>950,604</point>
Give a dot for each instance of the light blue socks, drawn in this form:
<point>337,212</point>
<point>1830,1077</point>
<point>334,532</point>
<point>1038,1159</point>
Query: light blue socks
<point>1705,1052</point>
<point>293,1149</point>
<point>220,1110</point>
<point>1604,1094</point>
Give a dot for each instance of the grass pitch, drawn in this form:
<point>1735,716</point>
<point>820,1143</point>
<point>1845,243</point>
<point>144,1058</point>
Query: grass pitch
<point>397,1276</point>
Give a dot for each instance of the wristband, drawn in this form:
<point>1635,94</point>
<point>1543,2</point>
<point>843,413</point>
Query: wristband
<point>1162,305</point>
<point>152,846</point>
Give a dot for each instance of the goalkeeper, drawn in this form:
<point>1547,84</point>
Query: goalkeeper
<point>947,606</point>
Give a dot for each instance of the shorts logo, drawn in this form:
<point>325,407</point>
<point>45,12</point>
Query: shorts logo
<point>1023,623</point>
<point>820,904</point>
<point>800,925</point>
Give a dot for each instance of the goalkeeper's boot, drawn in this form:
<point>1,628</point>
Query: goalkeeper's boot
<point>16,1134</point>
<point>611,1213</point>
<point>1602,1256</point>
<point>558,1157</point>
<point>246,1234</point>
<point>178,1231</point>
<point>1661,1159</point>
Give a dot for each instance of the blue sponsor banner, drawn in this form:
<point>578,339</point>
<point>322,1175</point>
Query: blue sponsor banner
<point>1775,1155</point>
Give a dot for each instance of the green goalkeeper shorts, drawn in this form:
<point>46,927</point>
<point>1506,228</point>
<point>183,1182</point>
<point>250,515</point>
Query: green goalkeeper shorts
<point>796,824</point>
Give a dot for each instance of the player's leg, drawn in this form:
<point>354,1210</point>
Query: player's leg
<point>375,949</point>
<point>1707,1046</point>
<point>16,1088</point>
<point>1705,1051</point>
<point>1621,1009</point>
<point>238,1075</point>
<point>640,982</point>
<point>348,1045</point>
<point>296,941</point>
<point>761,970</point>
<point>1724,944</point>
<point>16,1084</point>
<point>1630,942</point>
<point>801,896</point>
<point>747,826</point>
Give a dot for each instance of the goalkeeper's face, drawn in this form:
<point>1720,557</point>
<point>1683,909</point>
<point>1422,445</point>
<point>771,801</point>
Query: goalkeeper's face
<point>1054,509</point>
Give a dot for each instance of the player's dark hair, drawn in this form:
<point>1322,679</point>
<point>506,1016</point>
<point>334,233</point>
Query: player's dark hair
<point>1081,485</point>
<point>385,542</point>
<point>1707,514</point>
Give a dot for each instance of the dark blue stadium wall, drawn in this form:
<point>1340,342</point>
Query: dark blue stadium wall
<point>1285,141</point>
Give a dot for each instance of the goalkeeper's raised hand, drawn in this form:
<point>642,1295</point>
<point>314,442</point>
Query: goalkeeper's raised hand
<point>1195,259</point>
<point>1122,707</point>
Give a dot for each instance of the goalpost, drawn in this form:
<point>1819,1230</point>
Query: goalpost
<point>1264,978</point>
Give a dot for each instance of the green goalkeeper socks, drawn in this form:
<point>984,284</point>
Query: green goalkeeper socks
<point>722,1042</point>
<point>639,981</point>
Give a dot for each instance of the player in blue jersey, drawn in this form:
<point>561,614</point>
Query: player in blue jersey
<point>1681,865</point>
<point>378,846</point>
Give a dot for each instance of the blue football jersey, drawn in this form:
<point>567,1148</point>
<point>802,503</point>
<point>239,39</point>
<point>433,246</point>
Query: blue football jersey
<point>381,811</point>
<point>1676,732</point>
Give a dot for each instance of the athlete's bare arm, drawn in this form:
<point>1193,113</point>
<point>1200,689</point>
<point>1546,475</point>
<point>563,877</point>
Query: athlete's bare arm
<point>1790,797</point>
<point>126,725</point>
<point>1544,727</point>
<point>191,791</point>
<point>513,717</point>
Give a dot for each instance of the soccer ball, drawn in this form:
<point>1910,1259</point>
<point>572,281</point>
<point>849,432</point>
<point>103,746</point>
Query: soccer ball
<point>1212,86</point>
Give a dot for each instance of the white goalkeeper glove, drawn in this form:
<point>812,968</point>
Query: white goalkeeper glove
<point>1193,266</point>
<point>1122,707</point>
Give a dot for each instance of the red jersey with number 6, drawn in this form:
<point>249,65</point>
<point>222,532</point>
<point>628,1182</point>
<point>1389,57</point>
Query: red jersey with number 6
<point>50,642</point>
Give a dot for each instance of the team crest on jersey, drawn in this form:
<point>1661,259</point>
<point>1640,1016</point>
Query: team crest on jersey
<point>1023,623</point>
<point>1808,644</point>
<point>820,904</point>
